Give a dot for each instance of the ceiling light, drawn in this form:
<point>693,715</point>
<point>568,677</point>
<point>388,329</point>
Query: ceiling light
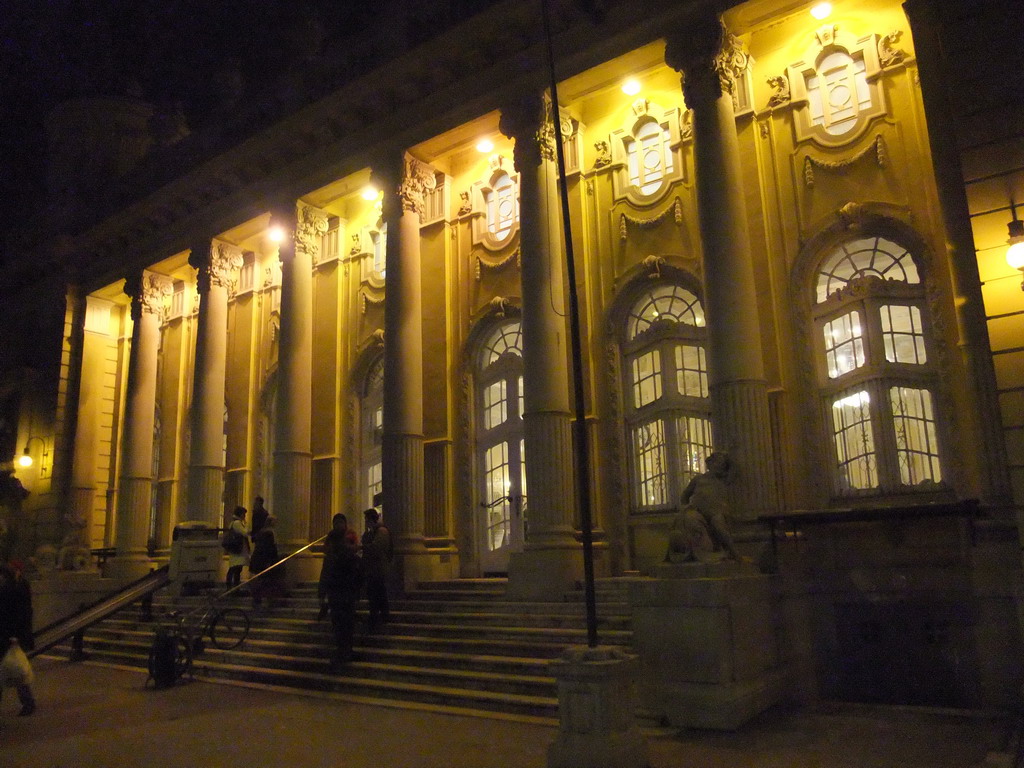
<point>370,193</point>
<point>821,11</point>
<point>631,87</point>
<point>1015,253</point>
<point>276,234</point>
<point>484,146</point>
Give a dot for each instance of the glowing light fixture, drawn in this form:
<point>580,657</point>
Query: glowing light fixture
<point>25,460</point>
<point>484,146</point>
<point>370,193</point>
<point>821,11</point>
<point>1015,253</point>
<point>631,87</point>
<point>276,233</point>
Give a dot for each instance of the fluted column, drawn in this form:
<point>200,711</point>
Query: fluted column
<point>206,449</point>
<point>710,59</point>
<point>551,558</point>
<point>404,181</point>
<point>92,316</point>
<point>980,418</point>
<point>135,492</point>
<point>292,429</point>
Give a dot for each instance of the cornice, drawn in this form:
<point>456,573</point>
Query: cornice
<point>463,72</point>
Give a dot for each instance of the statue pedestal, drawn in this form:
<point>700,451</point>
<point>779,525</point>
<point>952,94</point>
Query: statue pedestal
<point>709,638</point>
<point>597,727</point>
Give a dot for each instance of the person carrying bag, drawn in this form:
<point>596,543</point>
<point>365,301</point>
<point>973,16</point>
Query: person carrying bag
<point>16,635</point>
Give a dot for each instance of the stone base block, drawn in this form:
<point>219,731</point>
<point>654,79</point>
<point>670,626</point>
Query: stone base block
<point>597,728</point>
<point>711,650</point>
<point>411,568</point>
<point>127,568</point>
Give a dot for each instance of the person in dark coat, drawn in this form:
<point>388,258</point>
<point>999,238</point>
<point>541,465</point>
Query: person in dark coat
<point>340,580</point>
<point>264,554</point>
<point>16,623</point>
<point>377,555</point>
<point>259,516</point>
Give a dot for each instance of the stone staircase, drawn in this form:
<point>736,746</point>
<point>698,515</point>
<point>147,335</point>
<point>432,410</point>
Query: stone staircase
<point>458,645</point>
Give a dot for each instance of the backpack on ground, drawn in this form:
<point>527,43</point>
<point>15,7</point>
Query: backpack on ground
<point>162,658</point>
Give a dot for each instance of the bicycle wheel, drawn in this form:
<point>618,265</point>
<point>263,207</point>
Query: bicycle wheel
<point>182,658</point>
<point>229,628</point>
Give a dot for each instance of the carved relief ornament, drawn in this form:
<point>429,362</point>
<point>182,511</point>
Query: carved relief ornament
<point>528,122</point>
<point>310,227</point>
<point>710,58</point>
<point>147,290</point>
<point>417,179</point>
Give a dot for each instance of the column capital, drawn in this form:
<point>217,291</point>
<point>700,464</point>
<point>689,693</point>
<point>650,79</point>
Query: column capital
<point>215,264</point>
<point>310,226</point>
<point>147,290</point>
<point>527,121</point>
<point>709,57</point>
<point>405,181</point>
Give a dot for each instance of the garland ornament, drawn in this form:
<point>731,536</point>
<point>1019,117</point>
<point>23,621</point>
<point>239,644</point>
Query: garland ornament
<point>675,210</point>
<point>877,147</point>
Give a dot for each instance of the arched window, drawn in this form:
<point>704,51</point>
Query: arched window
<point>668,412</point>
<point>875,371</point>
<point>380,245</point>
<point>371,410</point>
<point>501,205</point>
<point>649,156</point>
<point>837,92</point>
<point>499,444</point>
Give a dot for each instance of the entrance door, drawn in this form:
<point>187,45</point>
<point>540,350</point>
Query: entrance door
<point>501,474</point>
<point>503,506</point>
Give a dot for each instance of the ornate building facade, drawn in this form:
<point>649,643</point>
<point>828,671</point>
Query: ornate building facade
<point>785,248</point>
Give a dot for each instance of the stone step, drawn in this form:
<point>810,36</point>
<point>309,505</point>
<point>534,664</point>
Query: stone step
<point>457,644</point>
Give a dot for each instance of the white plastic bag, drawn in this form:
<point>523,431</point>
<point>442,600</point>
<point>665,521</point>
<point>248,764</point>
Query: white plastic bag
<point>15,668</point>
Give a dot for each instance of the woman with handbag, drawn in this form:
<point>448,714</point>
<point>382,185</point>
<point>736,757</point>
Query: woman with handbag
<point>16,635</point>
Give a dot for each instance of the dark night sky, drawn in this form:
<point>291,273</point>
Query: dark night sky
<point>167,51</point>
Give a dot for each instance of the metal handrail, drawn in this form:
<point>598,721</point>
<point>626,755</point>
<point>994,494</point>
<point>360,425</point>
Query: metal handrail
<point>251,579</point>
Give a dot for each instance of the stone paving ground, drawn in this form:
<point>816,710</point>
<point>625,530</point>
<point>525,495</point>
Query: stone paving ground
<point>93,716</point>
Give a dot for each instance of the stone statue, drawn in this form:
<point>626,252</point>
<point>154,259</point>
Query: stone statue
<point>700,532</point>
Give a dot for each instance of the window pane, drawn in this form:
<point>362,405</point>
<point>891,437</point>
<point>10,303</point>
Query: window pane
<point>916,445</point>
<point>844,345</point>
<point>649,464</point>
<point>646,378</point>
<point>838,93</point>
<point>862,258</point>
<point>495,404</point>
<point>691,371</point>
<point>497,485</point>
<point>664,302</point>
<point>506,338</point>
<point>522,400</point>
<point>501,207</point>
<point>854,441</point>
<point>903,335</point>
<point>373,483</point>
<point>694,445</point>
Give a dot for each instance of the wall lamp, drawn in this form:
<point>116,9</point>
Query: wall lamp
<point>1015,253</point>
<point>25,460</point>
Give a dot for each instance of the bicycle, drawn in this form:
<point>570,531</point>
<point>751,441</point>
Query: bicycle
<point>227,629</point>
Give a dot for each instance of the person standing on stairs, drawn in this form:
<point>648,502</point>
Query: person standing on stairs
<point>340,581</point>
<point>237,547</point>
<point>378,552</point>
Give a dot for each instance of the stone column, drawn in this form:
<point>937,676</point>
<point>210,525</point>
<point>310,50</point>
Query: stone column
<point>404,181</point>
<point>135,493</point>
<point>206,449</point>
<point>981,420</point>
<point>710,58</point>
<point>292,429</point>
<point>551,560</point>
<point>94,316</point>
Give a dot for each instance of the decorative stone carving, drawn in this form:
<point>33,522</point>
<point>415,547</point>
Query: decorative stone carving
<point>781,96</point>
<point>492,263</point>
<point>417,179</point>
<point>604,155</point>
<point>465,204</point>
<point>877,147</point>
<point>310,227</point>
<point>147,290</point>
<point>675,211</point>
<point>652,266</point>
<point>887,55</point>
<point>641,107</point>
<point>686,125</point>
<point>499,306</point>
<point>710,57</point>
<point>216,266</point>
<point>527,121</point>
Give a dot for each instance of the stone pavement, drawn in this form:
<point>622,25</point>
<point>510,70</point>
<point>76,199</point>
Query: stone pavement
<point>93,716</point>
